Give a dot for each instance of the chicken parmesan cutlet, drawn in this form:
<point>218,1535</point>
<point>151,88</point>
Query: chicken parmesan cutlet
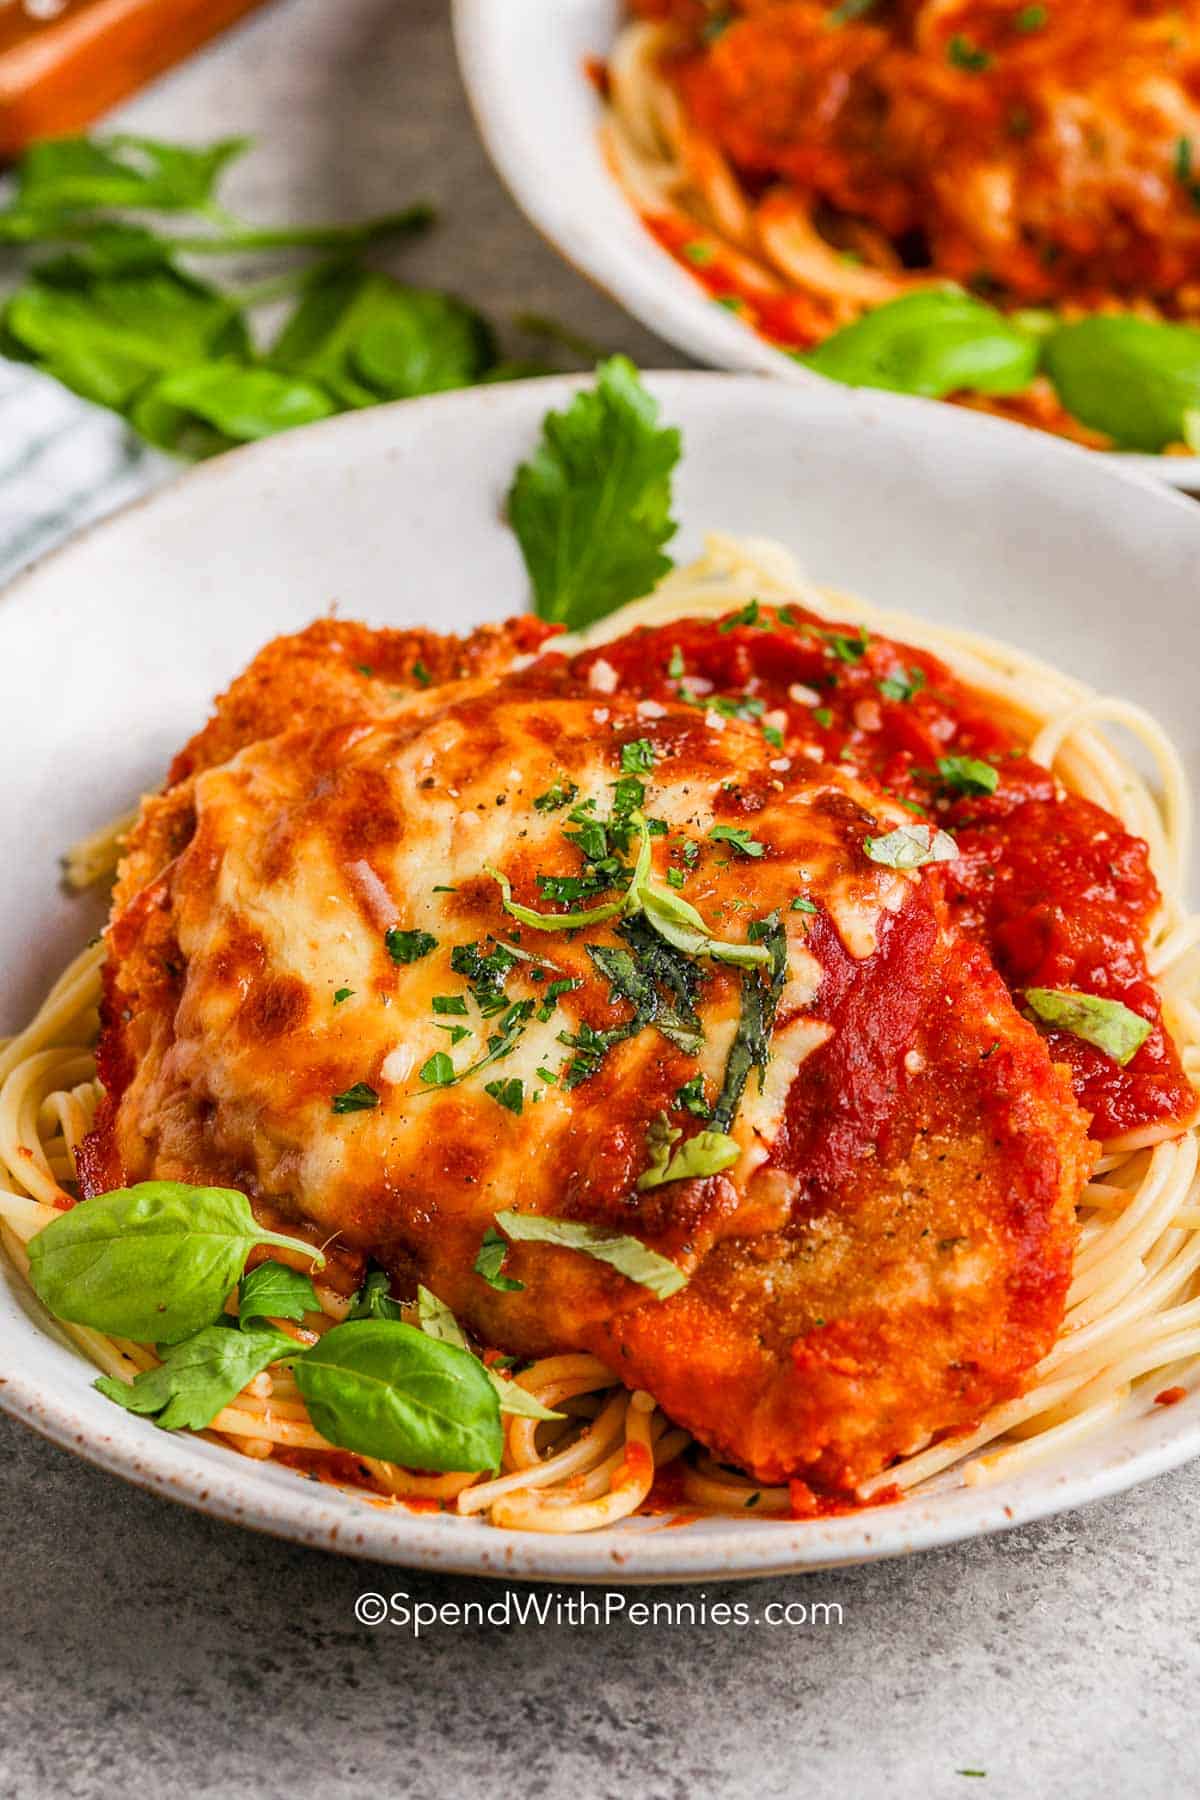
<point>403,951</point>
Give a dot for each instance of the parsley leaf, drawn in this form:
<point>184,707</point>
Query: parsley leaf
<point>359,1098</point>
<point>556,797</point>
<point>739,836</point>
<point>637,756</point>
<point>591,507</point>
<point>509,1094</point>
<point>409,946</point>
<point>903,685</point>
<point>968,775</point>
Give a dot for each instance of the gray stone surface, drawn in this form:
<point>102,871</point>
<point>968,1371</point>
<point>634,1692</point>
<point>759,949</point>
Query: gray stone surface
<point>147,1651</point>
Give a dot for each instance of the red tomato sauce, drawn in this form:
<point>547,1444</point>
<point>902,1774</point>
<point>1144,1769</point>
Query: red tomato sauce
<point>1054,887</point>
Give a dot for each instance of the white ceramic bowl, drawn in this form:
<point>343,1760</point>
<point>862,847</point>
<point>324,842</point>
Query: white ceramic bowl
<point>114,647</point>
<point>523,62</point>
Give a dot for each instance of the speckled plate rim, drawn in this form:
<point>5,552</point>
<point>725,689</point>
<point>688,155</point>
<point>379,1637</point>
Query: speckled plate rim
<point>522,64</point>
<point>1063,502</point>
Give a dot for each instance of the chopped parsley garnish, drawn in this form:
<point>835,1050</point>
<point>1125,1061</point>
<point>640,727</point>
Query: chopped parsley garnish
<point>963,54</point>
<point>342,994</point>
<point>485,975</point>
<point>675,878</point>
<point>553,994</point>
<point>510,1093</point>
<point>691,1098</point>
<point>690,852</point>
<point>823,717</point>
<point>421,674</point>
<point>629,795</point>
<point>359,1098</point>
<point>438,1071</point>
<point>803,904</point>
<point>561,794</point>
<point>1030,18</point>
<point>749,615</point>
<point>968,774</point>
<point>450,1003</point>
<point>902,686</point>
<point>773,736</point>
<point>739,837</point>
<point>409,946</point>
<point>698,252</point>
<point>675,667</point>
<point>457,1032</point>
<point>847,648</point>
<point>637,756</point>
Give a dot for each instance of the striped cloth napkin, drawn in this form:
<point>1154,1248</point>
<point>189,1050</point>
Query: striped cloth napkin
<point>63,462</point>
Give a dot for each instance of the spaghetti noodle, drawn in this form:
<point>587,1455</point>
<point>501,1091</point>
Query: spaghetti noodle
<point>1133,1311</point>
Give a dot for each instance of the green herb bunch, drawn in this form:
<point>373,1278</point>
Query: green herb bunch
<point>118,312</point>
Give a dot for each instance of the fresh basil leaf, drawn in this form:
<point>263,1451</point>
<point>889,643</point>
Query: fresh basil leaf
<point>437,1321</point>
<point>78,174</point>
<point>1107,1024</point>
<point>368,337</point>
<point>595,915</point>
<point>628,1255</point>
<point>211,406</point>
<point>911,847</point>
<point>153,1262</point>
<point>489,1263</point>
<point>677,920</point>
<point>705,1154</point>
<point>200,1376</point>
<point>273,1291</point>
<point>591,507</point>
<point>109,338</point>
<point>968,774</point>
<point>385,1389</point>
<point>430,343</point>
<point>374,1298</point>
<point>935,342</point>
<point>1134,379</point>
<point>440,1323</point>
<point>751,1047</point>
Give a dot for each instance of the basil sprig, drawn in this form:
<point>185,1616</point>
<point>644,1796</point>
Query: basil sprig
<point>198,1378</point>
<point>273,1291</point>
<point>1134,379</point>
<point>385,1389</point>
<point>628,1255</point>
<point>936,342</point>
<point>911,847</point>
<point>154,1262</point>
<point>1108,1024</point>
<point>437,1321</point>
<point>707,1153</point>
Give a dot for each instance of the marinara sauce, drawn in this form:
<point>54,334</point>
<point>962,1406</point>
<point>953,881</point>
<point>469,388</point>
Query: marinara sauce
<point>1057,890</point>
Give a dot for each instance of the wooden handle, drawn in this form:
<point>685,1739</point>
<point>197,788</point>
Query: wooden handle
<point>63,62</point>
